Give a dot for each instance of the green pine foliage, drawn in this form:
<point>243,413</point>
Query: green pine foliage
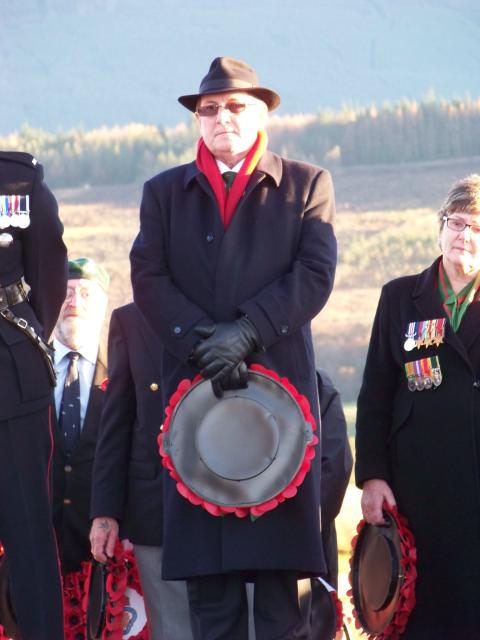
<point>407,131</point>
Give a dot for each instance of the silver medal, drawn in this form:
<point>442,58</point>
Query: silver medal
<point>6,240</point>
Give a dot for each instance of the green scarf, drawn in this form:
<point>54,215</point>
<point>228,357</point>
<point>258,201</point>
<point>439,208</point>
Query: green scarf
<point>456,305</point>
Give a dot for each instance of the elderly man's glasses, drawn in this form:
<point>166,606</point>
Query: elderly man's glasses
<point>211,110</point>
<point>457,224</point>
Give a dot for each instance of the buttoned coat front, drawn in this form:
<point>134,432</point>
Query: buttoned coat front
<point>72,479</point>
<point>275,263</point>
<point>426,445</point>
<point>127,476</point>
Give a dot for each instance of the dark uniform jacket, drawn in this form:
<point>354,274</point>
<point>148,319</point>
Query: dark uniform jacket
<point>72,478</point>
<point>39,255</point>
<point>337,465</point>
<point>275,263</point>
<point>425,444</point>
<point>127,479</point>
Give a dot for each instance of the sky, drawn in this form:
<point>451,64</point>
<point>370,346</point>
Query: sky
<point>89,63</point>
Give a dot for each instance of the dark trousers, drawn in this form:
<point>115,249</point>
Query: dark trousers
<point>219,607</point>
<point>26,530</point>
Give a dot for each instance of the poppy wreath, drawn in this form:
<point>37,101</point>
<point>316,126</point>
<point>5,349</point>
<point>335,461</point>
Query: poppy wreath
<point>408,562</point>
<point>337,603</point>
<point>121,573</point>
<point>259,509</point>
<point>75,618</point>
<point>3,634</point>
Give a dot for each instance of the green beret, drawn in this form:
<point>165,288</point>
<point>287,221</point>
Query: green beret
<point>88,269</point>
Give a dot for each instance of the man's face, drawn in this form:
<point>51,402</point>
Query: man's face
<point>230,136</point>
<point>81,316</point>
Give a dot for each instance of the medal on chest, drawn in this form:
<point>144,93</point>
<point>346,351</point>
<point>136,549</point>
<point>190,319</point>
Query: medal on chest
<point>14,211</point>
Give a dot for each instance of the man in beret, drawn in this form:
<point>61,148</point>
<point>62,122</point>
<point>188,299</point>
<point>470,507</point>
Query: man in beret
<point>79,394</point>
<point>31,251</point>
<point>229,270</point>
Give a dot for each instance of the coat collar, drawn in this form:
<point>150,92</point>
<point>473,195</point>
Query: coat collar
<point>269,164</point>
<point>427,300</point>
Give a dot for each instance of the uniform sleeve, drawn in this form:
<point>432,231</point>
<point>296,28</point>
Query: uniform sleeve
<point>376,398</point>
<point>115,432</point>
<point>45,255</point>
<point>168,311</point>
<point>291,301</point>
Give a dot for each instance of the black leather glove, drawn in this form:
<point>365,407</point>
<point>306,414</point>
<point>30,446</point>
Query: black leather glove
<point>224,347</point>
<point>237,379</point>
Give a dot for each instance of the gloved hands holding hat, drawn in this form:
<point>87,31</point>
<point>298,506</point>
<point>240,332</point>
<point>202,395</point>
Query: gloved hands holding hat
<point>221,354</point>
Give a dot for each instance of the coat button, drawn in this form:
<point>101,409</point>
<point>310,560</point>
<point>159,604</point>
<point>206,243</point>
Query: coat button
<point>177,330</point>
<point>67,501</point>
<point>284,329</point>
<point>67,468</point>
<point>154,386</point>
<point>210,237</point>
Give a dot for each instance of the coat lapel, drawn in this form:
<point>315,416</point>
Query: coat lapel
<point>427,301</point>
<point>95,397</point>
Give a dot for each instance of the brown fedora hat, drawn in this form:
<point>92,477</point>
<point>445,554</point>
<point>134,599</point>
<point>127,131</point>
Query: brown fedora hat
<point>228,74</point>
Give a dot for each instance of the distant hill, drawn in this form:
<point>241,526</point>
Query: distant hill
<point>102,62</point>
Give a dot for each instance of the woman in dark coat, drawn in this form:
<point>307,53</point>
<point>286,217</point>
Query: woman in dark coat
<point>418,421</point>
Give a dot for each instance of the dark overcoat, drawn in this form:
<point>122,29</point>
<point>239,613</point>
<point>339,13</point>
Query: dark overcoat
<point>72,479</point>
<point>337,465</point>
<point>127,477</point>
<point>275,263</point>
<point>37,254</point>
<point>425,444</point>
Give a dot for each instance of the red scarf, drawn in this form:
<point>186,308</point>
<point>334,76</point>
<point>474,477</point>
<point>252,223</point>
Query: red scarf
<point>227,202</point>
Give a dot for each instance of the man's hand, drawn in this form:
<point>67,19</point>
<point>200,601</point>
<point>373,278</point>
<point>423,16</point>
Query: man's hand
<point>103,535</point>
<point>237,379</point>
<point>375,493</point>
<point>224,347</point>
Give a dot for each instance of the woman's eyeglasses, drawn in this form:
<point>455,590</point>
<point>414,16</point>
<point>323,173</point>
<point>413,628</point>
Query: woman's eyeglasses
<point>457,224</point>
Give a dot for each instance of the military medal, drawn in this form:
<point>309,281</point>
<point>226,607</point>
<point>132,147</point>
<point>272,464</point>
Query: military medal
<point>436,371</point>
<point>419,383</point>
<point>424,374</point>
<point>439,331</point>
<point>409,343</point>
<point>419,340</point>
<point>14,211</point>
<point>425,367</point>
<point>6,240</point>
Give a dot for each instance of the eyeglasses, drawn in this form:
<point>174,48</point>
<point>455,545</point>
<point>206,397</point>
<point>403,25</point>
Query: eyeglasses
<point>457,224</point>
<point>211,110</point>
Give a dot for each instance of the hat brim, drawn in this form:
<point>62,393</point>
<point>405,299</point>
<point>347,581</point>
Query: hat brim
<point>244,453</point>
<point>383,575</point>
<point>271,99</point>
